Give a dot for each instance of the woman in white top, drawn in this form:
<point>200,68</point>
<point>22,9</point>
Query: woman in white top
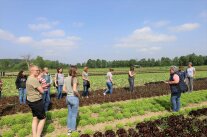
<point>109,82</point>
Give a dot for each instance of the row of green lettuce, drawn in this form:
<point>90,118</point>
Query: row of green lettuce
<point>20,124</point>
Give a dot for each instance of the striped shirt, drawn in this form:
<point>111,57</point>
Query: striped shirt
<point>43,82</point>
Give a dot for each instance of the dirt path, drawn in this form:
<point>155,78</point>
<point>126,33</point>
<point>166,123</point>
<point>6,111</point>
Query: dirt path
<point>101,126</point>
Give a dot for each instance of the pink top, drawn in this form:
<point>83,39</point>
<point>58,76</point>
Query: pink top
<point>176,78</point>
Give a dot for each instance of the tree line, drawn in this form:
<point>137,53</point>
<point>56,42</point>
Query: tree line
<point>19,64</point>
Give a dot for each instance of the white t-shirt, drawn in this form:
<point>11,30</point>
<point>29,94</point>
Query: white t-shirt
<point>190,71</point>
<point>109,76</point>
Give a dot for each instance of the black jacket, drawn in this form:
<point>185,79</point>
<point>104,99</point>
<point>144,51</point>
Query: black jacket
<point>21,82</point>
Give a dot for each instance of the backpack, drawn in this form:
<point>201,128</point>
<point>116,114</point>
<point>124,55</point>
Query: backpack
<point>182,87</point>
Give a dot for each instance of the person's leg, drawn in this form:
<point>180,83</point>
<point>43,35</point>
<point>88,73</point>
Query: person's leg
<point>178,103</point>
<point>84,90</point>
<point>132,84</point>
<point>87,92</point>
<point>69,114</point>
<point>34,126</point>
<point>0,94</point>
<point>191,84</point>
<point>173,102</point>
<point>20,95</point>
<point>57,89</point>
<point>25,95</point>
<point>47,101</point>
<point>74,111</point>
<point>111,88</point>
<point>61,90</point>
<point>188,83</point>
<point>40,127</point>
<point>108,86</point>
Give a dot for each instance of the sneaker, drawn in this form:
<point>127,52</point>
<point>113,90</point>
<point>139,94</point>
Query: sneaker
<point>69,132</point>
<point>104,94</point>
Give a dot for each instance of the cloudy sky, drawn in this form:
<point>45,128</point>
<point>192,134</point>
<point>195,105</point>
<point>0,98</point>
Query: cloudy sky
<point>74,31</point>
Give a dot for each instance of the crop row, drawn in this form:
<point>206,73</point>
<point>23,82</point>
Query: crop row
<point>20,124</point>
<point>10,105</point>
<point>98,82</point>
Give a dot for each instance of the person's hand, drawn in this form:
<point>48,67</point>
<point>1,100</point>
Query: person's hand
<point>166,82</point>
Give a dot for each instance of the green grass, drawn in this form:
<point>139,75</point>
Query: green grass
<point>144,75</point>
<point>123,109</point>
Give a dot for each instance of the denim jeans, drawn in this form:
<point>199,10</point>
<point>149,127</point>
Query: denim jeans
<point>59,91</point>
<point>110,88</point>
<point>190,84</point>
<point>46,99</point>
<point>131,84</point>
<point>85,89</point>
<point>73,104</point>
<point>22,95</point>
<point>0,93</point>
<point>175,100</point>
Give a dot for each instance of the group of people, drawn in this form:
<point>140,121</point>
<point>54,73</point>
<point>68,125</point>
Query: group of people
<point>180,81</point>
<point>35,89</point>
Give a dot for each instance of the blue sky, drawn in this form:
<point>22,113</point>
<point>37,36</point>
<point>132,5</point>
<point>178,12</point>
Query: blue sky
<point>74,31</point>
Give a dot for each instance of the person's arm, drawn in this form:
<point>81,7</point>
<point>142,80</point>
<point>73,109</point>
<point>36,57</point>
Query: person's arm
<point>51,81</point>
<point>110,78</point>
<point>175,80</point>
<point>17,83</point>
<point>56,79</point>
<point>75,81</point>
<point>64,87</point>
<point>194,72</point>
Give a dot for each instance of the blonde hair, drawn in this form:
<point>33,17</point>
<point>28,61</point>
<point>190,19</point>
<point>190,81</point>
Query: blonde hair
<point>85,69</point>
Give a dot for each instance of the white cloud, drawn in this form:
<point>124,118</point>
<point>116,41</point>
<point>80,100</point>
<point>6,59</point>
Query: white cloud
<point>67,42</point>
<point>161,23</point>
<point>54,33</point>
<point>157,24</point>
<point>24,40</point>
<point>185,27</point>
<point>5,35</point>
<point>145,39</point>
<point>43,24</point>
<point>78,24</point>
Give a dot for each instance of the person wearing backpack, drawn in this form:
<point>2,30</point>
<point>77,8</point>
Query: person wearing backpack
<point>21,86</point>
<point>72,99</point>
<point>175,88</point>
<point>59,81</point>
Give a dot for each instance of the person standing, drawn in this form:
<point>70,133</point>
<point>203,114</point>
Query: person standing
<point>71,88</point>
<point>21,86</point>
<point>190,76</point>
<point>109,82</point>
<point>86,82</point>
<point>46,95</point>
<point>34,98</point>
<point>59,81</point>
<point>1,84</point>
<point>131,75</point>
<point>175,91</point>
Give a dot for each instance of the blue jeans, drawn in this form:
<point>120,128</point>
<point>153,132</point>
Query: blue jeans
<point>85,89</point>
<point>73,104</point>
<point>131,84</point>
<point>22,95</point>
<point>59,91</point>
<point>46,99</point>
<point>110,88</point>
<point>175,100</point>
